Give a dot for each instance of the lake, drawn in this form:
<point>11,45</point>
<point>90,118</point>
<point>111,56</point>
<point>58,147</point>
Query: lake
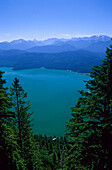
<point>52,93</point>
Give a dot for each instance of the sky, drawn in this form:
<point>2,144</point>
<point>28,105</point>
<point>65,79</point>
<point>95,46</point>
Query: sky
<point>42,19</point>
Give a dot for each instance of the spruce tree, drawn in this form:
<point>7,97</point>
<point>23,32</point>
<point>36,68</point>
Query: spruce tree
<point>9,150</point>
<point>90,128</point>
<point>22,122</point>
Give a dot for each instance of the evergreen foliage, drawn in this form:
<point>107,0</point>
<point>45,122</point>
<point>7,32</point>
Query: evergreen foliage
<point>9,150</point>
<point>51,151</point>
<point>23,126</point>
<point>90,128</point>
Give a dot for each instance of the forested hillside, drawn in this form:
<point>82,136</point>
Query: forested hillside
<point>80,61</point>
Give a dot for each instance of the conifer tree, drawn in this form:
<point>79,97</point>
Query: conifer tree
<point>90,128</point>
<point>5,103</point>
<point>21,106</point>
<point>9,150</point>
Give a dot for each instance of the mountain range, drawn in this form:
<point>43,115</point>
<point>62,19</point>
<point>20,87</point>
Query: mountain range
<point>76,54</point>
<point>54,45</point>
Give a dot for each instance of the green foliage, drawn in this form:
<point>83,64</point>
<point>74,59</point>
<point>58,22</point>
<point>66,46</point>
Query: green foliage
<point>5,104</point>
<point>23,126</point>
<point>51,151</point>
<point>90,128</point>
<point>9,150</point>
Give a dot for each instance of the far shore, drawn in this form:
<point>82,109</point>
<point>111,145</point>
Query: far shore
<point>45,68</point>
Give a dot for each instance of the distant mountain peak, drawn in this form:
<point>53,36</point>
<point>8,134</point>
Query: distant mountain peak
<point>18,41</point>
<point>99,42</point>
<point>93,37</point>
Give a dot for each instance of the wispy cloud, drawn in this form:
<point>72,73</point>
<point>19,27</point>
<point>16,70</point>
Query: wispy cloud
<point>83,35</point>
<point>65,35</point>
<point>7,35</point>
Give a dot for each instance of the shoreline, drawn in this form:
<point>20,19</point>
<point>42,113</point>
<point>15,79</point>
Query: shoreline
<point>46,69</point>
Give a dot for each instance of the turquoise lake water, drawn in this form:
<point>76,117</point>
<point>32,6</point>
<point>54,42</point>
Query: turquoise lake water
<point>52,93</point>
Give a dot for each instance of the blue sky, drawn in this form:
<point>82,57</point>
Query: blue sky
<point>41,19</point>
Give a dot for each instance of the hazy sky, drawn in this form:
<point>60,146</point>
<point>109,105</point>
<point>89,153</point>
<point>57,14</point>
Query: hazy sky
<point>41,19</point>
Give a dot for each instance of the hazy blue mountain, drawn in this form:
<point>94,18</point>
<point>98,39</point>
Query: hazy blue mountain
<point>93,43</point>
<point>58,45</point>
<point>52,48</point>
<point>49,41</point>
<point>80,61</point>
<point>19,44</point>
<point>93,38</point>
<point>99,46</point>
<point>22,44</point>
<point>11,52</point>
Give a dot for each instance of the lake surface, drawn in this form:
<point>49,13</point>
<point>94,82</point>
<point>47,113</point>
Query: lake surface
<point>52,93</point>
